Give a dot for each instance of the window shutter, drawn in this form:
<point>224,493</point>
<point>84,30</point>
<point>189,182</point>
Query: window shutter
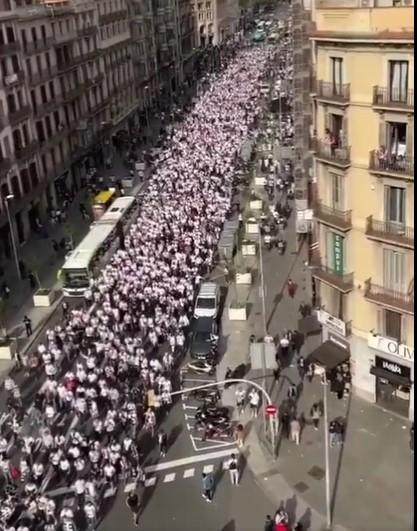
<point>344,134</point>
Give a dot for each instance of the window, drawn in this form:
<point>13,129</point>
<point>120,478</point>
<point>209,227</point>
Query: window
<point>398,81</point>
<point>392,325</point>
<point>337,74</point>
<point>394,270</point>
<point>397,138</point>
<point>395,205</point>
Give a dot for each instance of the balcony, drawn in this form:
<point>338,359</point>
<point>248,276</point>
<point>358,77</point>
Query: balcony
<point>339,94</point>
<point>326,274</point>
<point>14,79</point>
<point>337,156</point>
<point>396,300</point>
<point>112,17</point>
<point>393,99</point>
<point>38,46</point>
<point>402,167</point>
<point>73,93</point>
<point>390,232</point>
<point>5,164</point>
<point>47,107</point>
<point>9,48</point>
<point>87,31</point>
<point>19,115</point>
<point>27,152</point>
<point>42,76</point>
<point>339,219</point>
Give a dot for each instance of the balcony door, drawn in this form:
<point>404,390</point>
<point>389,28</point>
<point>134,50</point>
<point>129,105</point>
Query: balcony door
<point>394,271</point>
<point>397,139</point>
<point>398,81</point>
<point>392,325</point>
<point>336,191</point>
<point>337,75</point>
<point>395,208</point>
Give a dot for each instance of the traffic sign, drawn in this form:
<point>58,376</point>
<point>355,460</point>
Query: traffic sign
<point>271,410</point>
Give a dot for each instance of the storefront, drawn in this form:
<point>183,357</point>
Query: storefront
<point>393,370</point>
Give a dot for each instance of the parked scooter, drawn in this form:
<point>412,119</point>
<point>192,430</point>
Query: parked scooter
<point>201,367</point>
<point>207,396</point>
<point>212,431</point>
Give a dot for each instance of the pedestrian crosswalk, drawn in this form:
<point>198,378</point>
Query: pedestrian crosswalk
<point>172,477</point>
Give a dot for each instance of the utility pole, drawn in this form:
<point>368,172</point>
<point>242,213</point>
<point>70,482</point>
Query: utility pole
<point>326,451</point>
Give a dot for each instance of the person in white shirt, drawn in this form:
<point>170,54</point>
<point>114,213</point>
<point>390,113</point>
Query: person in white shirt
<point>254,399</point>
<point>90,512</point>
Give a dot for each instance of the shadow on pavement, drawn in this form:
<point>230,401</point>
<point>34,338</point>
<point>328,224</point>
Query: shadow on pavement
<point>230,526</point>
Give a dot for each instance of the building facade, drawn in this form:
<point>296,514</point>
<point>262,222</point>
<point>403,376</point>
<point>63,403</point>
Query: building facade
<point>72,74</point>
<point>215,20</point>
<point>362,142</point>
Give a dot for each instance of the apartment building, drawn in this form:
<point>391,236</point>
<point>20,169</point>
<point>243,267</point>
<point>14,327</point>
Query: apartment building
<point>72,74</point>
<point>363,108</point>
<point>215,20</point>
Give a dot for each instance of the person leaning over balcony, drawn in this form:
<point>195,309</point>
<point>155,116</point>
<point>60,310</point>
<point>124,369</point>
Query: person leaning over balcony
<point>382,155</point>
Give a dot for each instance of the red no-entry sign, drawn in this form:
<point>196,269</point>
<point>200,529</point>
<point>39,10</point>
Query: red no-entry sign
<point>271,410</point>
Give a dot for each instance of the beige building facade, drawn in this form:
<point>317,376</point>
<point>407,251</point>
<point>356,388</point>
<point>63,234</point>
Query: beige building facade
<point>363,191</point>
<point>215,20</point>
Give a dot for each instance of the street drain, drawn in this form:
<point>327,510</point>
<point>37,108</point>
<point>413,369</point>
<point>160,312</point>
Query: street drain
<point>316,472</point>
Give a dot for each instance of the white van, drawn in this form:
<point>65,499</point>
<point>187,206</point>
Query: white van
<point>207,303</point>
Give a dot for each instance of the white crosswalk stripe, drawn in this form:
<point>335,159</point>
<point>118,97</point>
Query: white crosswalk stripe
<point>208,468</point>
<point>189,473</point>
<point>169,477</point>
<point>150,482</point>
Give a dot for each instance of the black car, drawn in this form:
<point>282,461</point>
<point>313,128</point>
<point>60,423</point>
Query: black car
<point>204,337</point>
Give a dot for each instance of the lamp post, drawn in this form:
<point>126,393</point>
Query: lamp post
<point>326,450</point>
<point>12,235</point>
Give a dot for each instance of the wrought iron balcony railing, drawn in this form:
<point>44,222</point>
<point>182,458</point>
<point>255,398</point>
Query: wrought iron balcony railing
<point>393,97</point>
<point>398,300</point>
<point>390,164</point>
<point>342,219</point>
<point>333,91</point>
<point>390,231</point>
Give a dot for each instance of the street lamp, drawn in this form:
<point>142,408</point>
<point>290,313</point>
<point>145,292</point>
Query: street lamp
<point>12,236</point>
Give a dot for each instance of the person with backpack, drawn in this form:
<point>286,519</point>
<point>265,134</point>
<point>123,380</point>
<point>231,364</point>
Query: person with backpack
<point>133,502</point>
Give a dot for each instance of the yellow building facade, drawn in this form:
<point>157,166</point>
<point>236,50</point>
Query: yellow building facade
<point>363,191</point>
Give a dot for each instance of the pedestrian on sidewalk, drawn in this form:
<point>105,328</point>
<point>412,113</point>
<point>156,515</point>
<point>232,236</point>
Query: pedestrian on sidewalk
<point>28,325</point>
<point>240,400</point>
<point>83,212</point>
<point>133,502</point>
<point>208,486</point>
<point>32,280</point>
<point>163,443</point>
<point>239,435</point>
<point>285,423</point>
<point>315,414</point>
<point>269,523</point>
<point>291,287</point>
<point>284,344</point>
<point>233,467</point>
<point>55,246</point>
<point>277,370</point>
<point>310,372</point>
<point>332,433</point>
<point>254,399</point>
<point>5,291</point>
<point>301,366</point>
<point>295,429</point>
<point>292,392</point>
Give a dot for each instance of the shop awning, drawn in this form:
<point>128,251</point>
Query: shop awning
<point>309,325</point>
<point>329,355</point>
<point>393,378</point>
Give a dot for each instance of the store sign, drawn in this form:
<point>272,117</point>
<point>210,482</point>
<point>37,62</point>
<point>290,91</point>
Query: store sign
<point>339,342</point>
<point>389,346</point>
<point>334,324</point>
<point>392,367</point>
<point>338,254</point>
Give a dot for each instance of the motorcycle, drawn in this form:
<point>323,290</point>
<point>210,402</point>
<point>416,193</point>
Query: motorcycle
<point>224,431</point>
<point>201,424</point>
<point>217,416</point>
<point>201,367</point>
<point>213,411</point>
<point>207,396</point>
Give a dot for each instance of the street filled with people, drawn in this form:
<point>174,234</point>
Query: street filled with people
<point>109,368</point>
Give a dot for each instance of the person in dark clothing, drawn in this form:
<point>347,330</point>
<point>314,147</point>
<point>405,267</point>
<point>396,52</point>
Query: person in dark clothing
<point>32,280</point>
<point>65,310</point>
<point>163,443</point>
<point>22,268</point>
<point>269,523</point>
<point>55,246</point>
<point>301,366</point>
<point>208,486</point>
<point>285,423</point>
<point>28,325</point>
<point>133,502</point>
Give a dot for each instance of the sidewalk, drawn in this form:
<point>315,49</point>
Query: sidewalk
<point>371,483</point>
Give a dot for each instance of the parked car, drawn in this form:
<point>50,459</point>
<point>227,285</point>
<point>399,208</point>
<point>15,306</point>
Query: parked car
<point>207,303</point>
<point>204,338</point>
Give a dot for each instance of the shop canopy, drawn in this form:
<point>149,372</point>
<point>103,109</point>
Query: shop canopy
<point>329,355</point>
<point>393,378</point>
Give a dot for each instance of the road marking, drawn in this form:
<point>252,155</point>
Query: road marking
<point>186,461</point>
<point>130,487</point>
<point>189,416</point>
<point>169,477</point>
<point>150,482</point>
<point>189,473</point>
<point>189,427</point>
<point>213,446</point>
<point>208,468</point>
<point>186,406</point>
<point>198,380</point>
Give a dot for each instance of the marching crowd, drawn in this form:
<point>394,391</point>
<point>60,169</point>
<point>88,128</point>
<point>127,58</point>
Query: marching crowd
<point>108,368</point>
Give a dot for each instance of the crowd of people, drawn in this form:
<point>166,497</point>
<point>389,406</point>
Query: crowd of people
<point>108,369</point>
